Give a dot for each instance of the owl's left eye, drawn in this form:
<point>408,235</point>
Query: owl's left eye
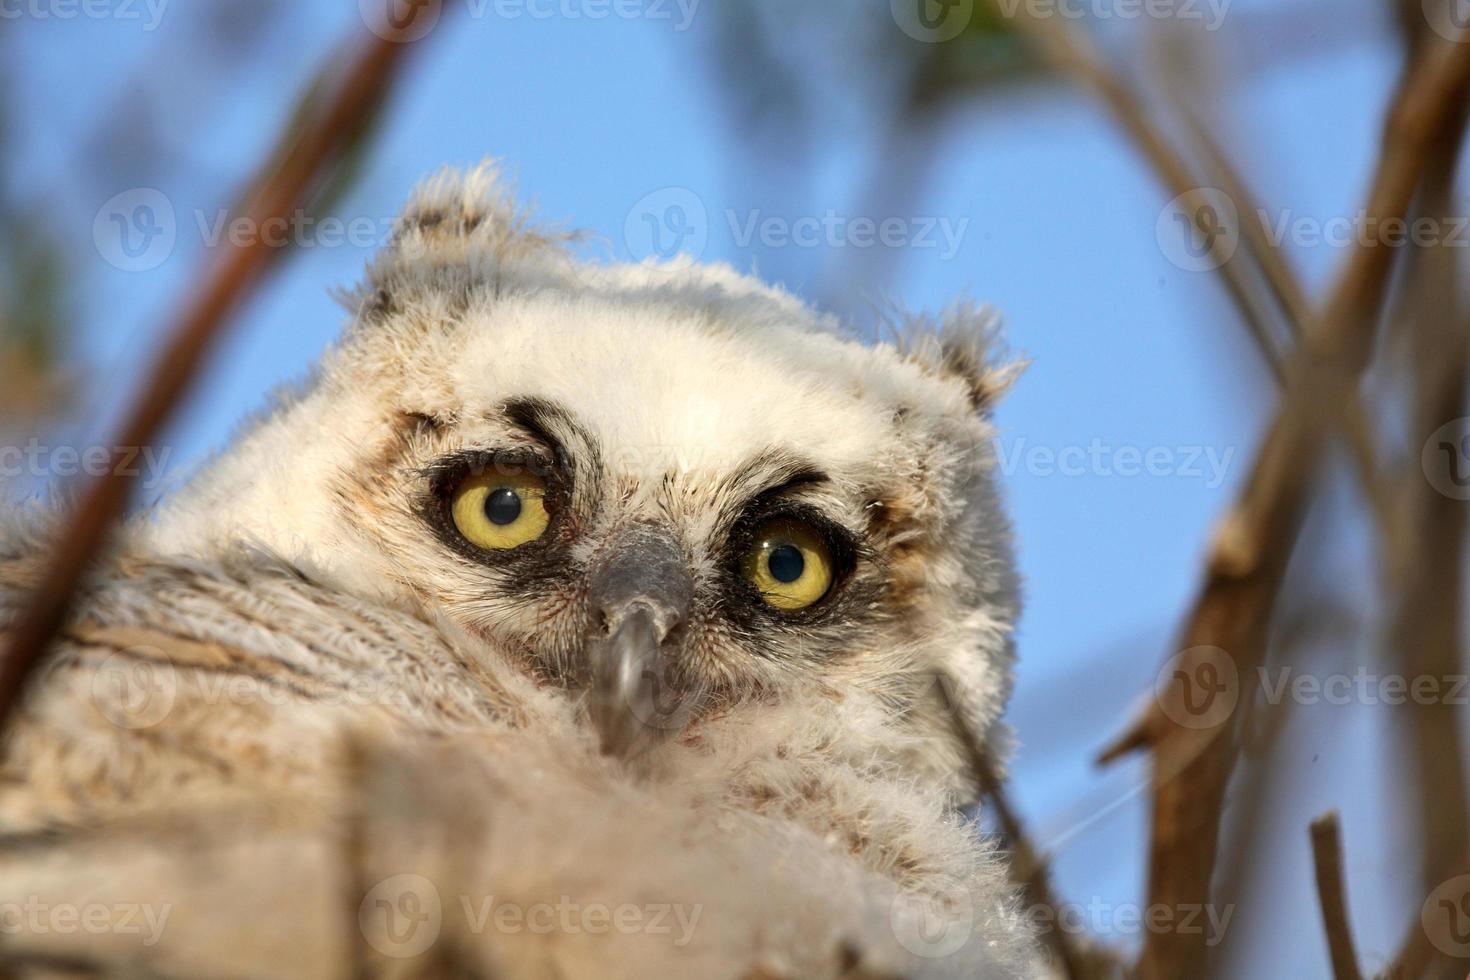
<point>790,564</point>
<point>497,511</point>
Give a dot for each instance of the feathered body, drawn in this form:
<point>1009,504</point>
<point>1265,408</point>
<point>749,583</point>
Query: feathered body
<point>351,692</point>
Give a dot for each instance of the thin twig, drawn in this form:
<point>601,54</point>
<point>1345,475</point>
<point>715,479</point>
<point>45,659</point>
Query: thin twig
<point>1297,313</point>
<point>1232,613</point>
<point>1026,866</point>
<point>1425,571</point>
<point>1070,52</point>
<point>232,272</point>
<point>1331,893</point>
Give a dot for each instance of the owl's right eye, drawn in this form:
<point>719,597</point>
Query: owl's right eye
<point>497,511</point>
<point>789,564</point>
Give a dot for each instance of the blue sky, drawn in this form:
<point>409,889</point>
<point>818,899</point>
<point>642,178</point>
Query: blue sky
<point>1129,352</point>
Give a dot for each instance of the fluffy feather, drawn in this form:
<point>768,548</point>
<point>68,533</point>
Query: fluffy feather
<point>408,706</point>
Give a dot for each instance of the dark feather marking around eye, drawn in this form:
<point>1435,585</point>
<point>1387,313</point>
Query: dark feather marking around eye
<point>545,421</point>
<point>570,444</point>
<point>768,475</point>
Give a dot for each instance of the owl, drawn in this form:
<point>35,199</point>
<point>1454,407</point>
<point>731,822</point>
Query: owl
<point>608,592</point>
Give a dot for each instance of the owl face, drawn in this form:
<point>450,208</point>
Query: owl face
<point>668,490</point>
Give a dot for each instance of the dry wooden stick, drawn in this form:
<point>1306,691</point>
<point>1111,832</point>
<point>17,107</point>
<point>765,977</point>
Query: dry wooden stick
<point>1026,867</point>
<point>1070,52</point>
<point>1029,870</point>
<point>1425,574</point>
<point>1331,893</point>
<point>1250,553</point>
<point>1297,312</point>
<point>284,186</point>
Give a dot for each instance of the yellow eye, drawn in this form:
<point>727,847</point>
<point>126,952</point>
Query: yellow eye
<point>790,565</point>
<point>498,511</point>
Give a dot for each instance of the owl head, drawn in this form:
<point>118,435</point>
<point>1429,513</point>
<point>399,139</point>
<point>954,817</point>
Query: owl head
<point>667,487</point>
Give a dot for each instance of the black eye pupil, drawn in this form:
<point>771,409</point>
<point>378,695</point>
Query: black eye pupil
<point>503,506</point>
<point>786,563</point>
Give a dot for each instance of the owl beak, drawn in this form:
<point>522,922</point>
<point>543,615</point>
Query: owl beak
<point>642,592</point>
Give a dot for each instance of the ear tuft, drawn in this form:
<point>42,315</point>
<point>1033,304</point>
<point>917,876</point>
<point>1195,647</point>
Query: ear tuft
<point>962,344</point>
<point>473,210</point>
<point>460,233</point>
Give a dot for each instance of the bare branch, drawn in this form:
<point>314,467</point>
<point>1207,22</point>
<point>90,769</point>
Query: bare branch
<point>1027,868</point>
<point>1232,613</point>
<point>1331,893</point>
<point>1070,52</point>
<point>284,186</point>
